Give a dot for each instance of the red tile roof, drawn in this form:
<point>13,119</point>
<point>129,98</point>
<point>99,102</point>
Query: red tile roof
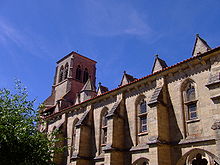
<point>137,80</point>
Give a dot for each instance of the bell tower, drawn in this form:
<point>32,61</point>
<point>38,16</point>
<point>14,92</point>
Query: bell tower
<point>72,73</point>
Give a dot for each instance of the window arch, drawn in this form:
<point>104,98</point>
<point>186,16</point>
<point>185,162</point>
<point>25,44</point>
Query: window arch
<point>190,99</point>
<point>103,128</point>
<point>78,73</point>
<point>61,74</point>
<point>141,109</point>
<point>66,71</point>
<point>141,161</point>
<point>85,75</point>
<point>73,139</point>
<point>198,156</point>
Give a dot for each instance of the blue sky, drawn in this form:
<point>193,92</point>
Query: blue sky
<point>119,35</point>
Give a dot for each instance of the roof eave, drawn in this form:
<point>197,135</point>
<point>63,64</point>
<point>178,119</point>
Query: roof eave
<point>138,80</point>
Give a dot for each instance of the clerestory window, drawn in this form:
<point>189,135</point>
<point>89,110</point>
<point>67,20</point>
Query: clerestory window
<point>190,101</point>
<point>104,129</point>
<point>142,116</point>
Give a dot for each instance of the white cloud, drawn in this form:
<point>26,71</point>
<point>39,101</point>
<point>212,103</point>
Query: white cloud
<point>104,18</point>
<point>24,39</point>
<point>7,32</point>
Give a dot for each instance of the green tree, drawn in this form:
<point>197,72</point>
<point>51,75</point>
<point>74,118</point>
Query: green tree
<point>21,142</point>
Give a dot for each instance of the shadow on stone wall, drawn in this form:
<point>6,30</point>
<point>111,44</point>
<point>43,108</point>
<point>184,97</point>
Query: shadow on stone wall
<point>175,133</point>
<point>128,140</point>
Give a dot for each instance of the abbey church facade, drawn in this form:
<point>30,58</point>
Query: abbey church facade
<point>169,117</point>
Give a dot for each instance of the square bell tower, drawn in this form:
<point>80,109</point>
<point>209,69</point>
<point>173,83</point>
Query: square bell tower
<point>72,72</point>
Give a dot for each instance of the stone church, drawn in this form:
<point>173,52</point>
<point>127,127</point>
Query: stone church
<point>169,117</point>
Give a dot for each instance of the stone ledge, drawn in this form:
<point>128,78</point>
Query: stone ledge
<point>99,157</point>
<point>75,157</point>
<point>139,147</point>
<point>109,148</point>
<point>196,140</point>
<point>212,83</point>
<point>215,97</point>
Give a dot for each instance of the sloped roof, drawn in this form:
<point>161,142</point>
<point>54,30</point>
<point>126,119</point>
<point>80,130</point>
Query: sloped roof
<point>114,108</point>
<point>83,118</point>
<point>101,89</point>
<point>88,86</point>
<point>155,96</point>
<point>158,64</point>
<point>126,78</point>
<point>75,53</point>
<point>50,100</point>
<point>200,46</point>
<point>137,80</point>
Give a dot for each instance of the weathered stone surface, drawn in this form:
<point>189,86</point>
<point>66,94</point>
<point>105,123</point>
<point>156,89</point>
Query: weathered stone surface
<point>171,137</point>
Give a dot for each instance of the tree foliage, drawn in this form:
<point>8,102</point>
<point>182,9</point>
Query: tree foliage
<point>21,142</point>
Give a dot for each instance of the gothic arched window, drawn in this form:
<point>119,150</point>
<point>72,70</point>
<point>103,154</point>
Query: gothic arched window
<point>61,74</point>
<point>142,116</point>
<point>141,161</point>
<point>78,73</point>
<point>66,71</point>
<point>103,129</point>
<point>190,101</point>
<point>85,75</point>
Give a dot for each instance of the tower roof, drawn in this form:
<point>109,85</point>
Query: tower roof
<point>200,46</point>
<point>158,64</point>
<point>77,54</point>
<point>101,89</point>
<point>126,79</point>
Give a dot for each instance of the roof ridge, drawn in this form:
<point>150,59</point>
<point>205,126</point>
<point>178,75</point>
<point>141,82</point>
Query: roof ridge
<point>152,74</point>
<point>72,53</point>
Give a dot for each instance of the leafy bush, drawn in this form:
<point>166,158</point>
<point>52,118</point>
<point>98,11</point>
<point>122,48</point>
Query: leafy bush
<point>21,142</point>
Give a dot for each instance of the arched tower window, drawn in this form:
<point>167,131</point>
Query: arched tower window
<point>103,128</point>
<point>66,71</point>
<point>85,75</point>
<point>61,74</point>
<point>142,116</point>
<point>78,73</point>
<point>189,98</point>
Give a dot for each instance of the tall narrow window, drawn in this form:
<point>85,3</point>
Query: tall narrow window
<point>142,116</point>
<point>61,74</point>
<point>192,113</point>
<point>66,71</point>
<point>189,94</point>
<point>85,75</point>
<point>78,73</point>
<point>104,129</point>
